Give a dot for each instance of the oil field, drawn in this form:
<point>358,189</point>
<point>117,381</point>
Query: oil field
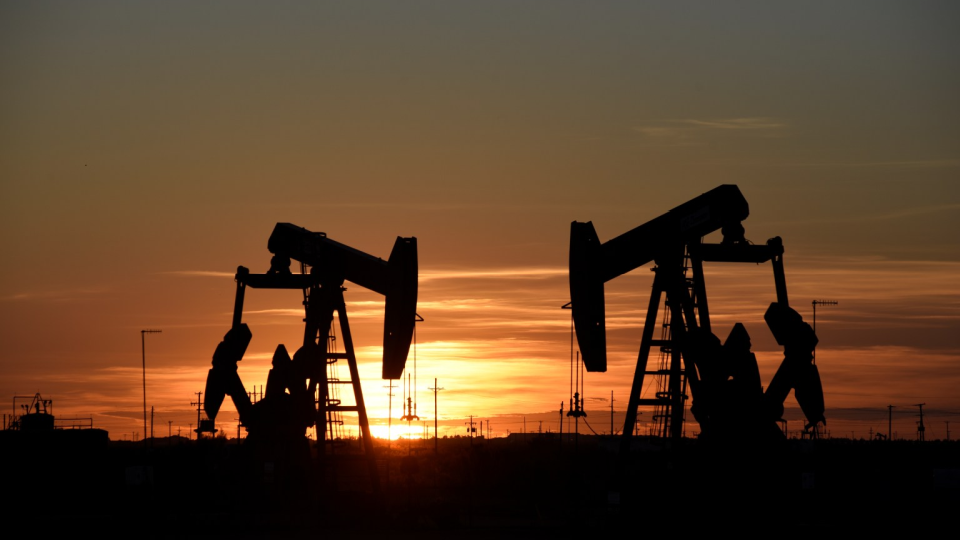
<point>741,470</point>
<point>479,269</point>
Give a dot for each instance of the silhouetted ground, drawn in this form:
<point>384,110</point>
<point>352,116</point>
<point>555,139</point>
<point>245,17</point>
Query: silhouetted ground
<point>514,487</point>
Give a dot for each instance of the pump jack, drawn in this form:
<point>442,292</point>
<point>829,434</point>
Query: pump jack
<point>724,380</point>
<point>297,395</point>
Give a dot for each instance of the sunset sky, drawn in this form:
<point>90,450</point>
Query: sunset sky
<point>147,149</point>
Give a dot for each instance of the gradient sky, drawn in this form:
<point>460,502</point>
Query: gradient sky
<point>147,149</point>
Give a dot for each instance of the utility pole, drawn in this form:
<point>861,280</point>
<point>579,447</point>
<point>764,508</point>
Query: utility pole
<point>169,428</point>
<point>436,414</point>
<point>948,429</point>
<point>390,388</point>
<point>889,422</point>
<point>611,414</point>
<point>198,404</point>
<point>920,428</point>
<point>143,350</point>
<point>470,428</point>
<point>561,423</point>
<point>151,421</point>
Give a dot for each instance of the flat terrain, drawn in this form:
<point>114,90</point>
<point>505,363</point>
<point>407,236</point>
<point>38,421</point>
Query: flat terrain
<point>517,486</point>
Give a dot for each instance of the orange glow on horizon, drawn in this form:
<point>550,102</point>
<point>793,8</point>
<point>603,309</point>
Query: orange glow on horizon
<point>137,173</point>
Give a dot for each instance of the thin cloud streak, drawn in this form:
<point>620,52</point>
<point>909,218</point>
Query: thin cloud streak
<point>918,163</point>
<point>277,311</point>
<point>737,123</point>
<point>688,131</point>
<point>504,274</point>
<point>64,295</point>
<point>901,213</point>
<point>200,273</point>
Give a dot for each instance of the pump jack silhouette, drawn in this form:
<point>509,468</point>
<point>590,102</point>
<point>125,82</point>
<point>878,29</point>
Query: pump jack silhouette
<point>724,379</point>
<point>297,395</point>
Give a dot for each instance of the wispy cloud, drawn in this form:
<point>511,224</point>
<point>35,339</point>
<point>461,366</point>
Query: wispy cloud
<point>61,295</point>
<point>690,131</point>
<point>901,164</point>
<point>429,275</point>
<point>892,215</point>
<point>663,132</point>
<point>503,273</point>
<point>736,123</point>
<point>424,206</point>
<point>910,212</point>
<point>200,273</point>
<point>286,312</point>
